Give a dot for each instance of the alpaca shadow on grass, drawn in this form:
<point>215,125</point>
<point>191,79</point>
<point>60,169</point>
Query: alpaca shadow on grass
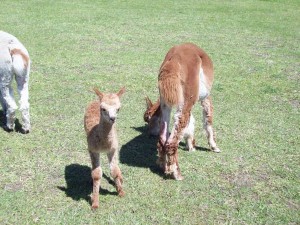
<point>141,151</point>
<point>2,119</point>
<point>80,184</point>
<point>199,148</point>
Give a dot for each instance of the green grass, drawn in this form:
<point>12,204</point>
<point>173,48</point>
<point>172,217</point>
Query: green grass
<point>76,45</point>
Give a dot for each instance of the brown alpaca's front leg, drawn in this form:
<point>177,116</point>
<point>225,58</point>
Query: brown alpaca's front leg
<point>115,171</point>
<point>96,176</point>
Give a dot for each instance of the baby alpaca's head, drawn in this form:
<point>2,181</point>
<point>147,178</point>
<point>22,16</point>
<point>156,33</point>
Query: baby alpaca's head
<point>152,116</point>
<point>110,104</point>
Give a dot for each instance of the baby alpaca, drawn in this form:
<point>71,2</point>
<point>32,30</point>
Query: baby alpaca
<point>100,127</point>
<point>152,117</point>
<point>14,62</point>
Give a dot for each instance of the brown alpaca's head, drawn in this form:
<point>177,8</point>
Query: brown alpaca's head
<point>152,116</point>
<point>110,105</point>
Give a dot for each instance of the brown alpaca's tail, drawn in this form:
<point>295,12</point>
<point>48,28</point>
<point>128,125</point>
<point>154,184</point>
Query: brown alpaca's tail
<point>169,84</point>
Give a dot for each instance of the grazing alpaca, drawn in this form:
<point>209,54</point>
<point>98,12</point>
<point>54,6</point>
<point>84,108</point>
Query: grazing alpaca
<point>14,62</point>
<point>152,117</point>
<point>185,77</point>
<point>100,127</point>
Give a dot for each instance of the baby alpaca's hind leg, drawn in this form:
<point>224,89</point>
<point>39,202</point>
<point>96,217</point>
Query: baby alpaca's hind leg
<point>190,143</point>
<point>115,171</point>
<point>96,176</point>
<point>189,134</point>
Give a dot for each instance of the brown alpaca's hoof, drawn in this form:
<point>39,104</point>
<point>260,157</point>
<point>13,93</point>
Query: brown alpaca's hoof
<point>177,176</point>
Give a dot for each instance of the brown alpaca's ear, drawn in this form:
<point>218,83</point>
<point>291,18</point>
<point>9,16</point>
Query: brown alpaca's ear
<point>121,92</point>
<point>148,102</point>
<point>100,95</point>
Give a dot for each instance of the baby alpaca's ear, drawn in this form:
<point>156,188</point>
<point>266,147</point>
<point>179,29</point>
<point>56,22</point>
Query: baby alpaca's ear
<point>121,92</point>
<point>100,95</point>
<point>148,102</point>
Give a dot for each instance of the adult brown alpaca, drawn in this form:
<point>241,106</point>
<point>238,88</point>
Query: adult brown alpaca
<point>185,77</point>
<point>100,127</point>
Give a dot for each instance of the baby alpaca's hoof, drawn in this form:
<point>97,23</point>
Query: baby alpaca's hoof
<point>95,205</point>
<point>216,150</point>
<point>121,193</point>
<point>191,149</point>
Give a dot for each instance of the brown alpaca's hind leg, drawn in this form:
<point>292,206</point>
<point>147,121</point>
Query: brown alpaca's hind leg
<point>96,176</point>
<point>207,123</point>
<point>115,171</point>
<point>163,137</point>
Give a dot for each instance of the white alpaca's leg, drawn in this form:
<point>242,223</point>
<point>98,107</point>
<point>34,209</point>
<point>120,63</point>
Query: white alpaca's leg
<point>207,123</point>
<point>11,106</point>
<point>3,104</point>
<point>96,176</point>
<point>115,171</point>
<point>22,83</point>
<point>6,76</point>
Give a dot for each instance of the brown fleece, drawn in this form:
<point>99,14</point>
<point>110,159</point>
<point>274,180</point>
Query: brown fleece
<point>25,57</point>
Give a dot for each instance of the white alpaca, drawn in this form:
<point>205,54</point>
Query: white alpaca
<point>100,127</point>
<point>14,62</point>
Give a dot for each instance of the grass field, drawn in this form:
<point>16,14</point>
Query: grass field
<point>76,45</point>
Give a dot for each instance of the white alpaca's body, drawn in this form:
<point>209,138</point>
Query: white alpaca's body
<point>14,63</point>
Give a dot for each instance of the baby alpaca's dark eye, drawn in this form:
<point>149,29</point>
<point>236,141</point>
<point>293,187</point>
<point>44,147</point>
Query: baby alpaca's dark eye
<point>103,110</point>
<point>118,109</point>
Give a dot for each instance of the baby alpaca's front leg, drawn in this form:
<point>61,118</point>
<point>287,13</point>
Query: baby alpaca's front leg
<point>115,170</point>
<point>96,176</point>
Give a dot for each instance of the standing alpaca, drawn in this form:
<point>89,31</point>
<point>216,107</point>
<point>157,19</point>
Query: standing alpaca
<point>152,117</point>
<point>100,128</point>
<point>185,77</point>
<point>14,62</point>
